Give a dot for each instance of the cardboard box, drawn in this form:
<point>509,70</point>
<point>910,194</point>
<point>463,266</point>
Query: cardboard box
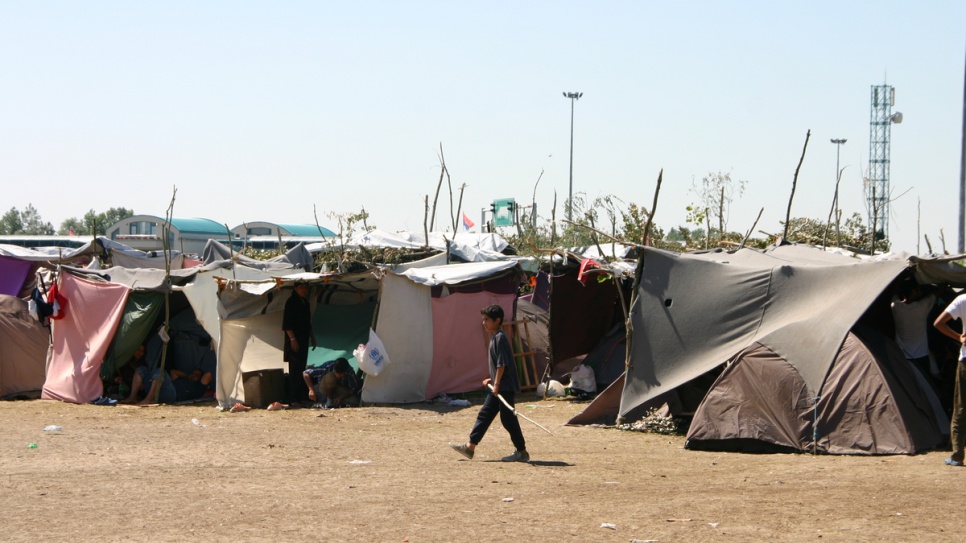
<point>263,387</point>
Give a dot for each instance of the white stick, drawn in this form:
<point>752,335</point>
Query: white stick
<point>513,409</point>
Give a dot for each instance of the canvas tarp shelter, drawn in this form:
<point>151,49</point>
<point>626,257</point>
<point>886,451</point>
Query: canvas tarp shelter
<point>242,311</point>
<point>607,357</point>
<point>123,256</point>
<point>538,328</point>
<point>23,349</point>
<point>429,321</point>
<point>143,309</point>
<point>13,275</point>
<point>582,312</point>
<point>56,255</point>
<point>697,311</point>
<point>98,307</point>
<point>297,257</point>
<point>18,265</point>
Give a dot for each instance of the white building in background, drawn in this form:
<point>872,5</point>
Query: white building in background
<point>264,235</point>
<point>144,232</point>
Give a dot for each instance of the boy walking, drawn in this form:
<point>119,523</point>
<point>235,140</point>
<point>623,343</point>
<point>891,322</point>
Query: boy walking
<point>504,382</point>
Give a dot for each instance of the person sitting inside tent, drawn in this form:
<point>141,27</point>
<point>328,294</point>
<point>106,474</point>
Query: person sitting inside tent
<point>120,386</point>
<point>193,377</point>
<point>190,386</point>
<point>176,386</point>
<point>333,382</point>
<point>156,384</point>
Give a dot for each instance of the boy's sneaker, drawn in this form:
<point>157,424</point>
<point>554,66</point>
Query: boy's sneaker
<point>517,456</point>
<point>462,449</point>
<point>951,462</point>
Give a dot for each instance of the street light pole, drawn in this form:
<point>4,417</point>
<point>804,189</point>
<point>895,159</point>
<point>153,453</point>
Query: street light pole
<point>835,199</point>
<point>574,96</point>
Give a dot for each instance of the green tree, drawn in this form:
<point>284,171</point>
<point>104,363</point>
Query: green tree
<point>27,222</point>
<point>635,221</point>
<point>717,191</point>
<point>10,223</point>
<point>588,215</point>
<point>686,239</point>
<point>94,222</point>
<point>855,234</point>
<point>348,222</point>
<point>33,224</point>
<point>73,225</point>
<point>111,217</point>
<point>625,225</point>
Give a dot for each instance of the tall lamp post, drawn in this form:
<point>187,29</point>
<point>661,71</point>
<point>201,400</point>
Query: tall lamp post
<point>574,96</point>
<point>835,199</point>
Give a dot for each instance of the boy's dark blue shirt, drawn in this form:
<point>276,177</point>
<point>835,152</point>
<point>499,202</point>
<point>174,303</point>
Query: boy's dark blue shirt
<point>501,354</point>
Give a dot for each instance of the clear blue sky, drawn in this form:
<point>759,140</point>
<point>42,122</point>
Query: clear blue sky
<point>260,110</point>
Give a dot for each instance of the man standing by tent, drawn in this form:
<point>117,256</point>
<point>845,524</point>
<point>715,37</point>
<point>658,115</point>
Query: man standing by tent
<point>910,311</point>
<point>957,426</point>
<point>297,325</point>
<point>502,381</point>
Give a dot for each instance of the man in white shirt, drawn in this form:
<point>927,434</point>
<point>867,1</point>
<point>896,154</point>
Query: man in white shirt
<point>957,426</point>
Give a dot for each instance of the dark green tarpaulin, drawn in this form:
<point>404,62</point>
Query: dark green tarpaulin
<point>339,329</point>
<point>140,313</point>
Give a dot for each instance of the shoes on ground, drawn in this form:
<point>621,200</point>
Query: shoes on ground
<point>951,462</point>
<point>517,456</point>
<point>239,408</point>
<point>277,406</point>
<point>462,449</point>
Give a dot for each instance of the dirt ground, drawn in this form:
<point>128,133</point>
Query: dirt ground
<point>385,473</point>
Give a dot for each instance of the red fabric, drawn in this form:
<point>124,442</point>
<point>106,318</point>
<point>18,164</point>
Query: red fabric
<point>58,301</point>
<point>586,265</point>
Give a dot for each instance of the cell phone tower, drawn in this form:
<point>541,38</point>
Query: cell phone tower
<point>880,135</point>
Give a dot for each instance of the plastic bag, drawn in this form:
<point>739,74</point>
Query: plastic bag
<point>582,378</point>
<point>372,356</point>
<point>554,388</point>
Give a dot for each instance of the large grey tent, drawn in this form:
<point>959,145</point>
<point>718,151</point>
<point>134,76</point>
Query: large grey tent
<point>870,403</point>
<point>697,311</point>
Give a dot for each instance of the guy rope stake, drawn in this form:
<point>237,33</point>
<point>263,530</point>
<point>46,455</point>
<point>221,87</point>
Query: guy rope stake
<point>513,409</point>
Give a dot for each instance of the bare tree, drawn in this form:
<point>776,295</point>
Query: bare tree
<point>717,191</point>
<point>439,185</point>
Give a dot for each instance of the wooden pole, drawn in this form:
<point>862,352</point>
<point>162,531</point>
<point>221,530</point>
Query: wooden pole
<point>638,274</point>
<point>788,213</point>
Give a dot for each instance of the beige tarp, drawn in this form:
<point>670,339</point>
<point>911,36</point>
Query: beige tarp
<point>23,349</point>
